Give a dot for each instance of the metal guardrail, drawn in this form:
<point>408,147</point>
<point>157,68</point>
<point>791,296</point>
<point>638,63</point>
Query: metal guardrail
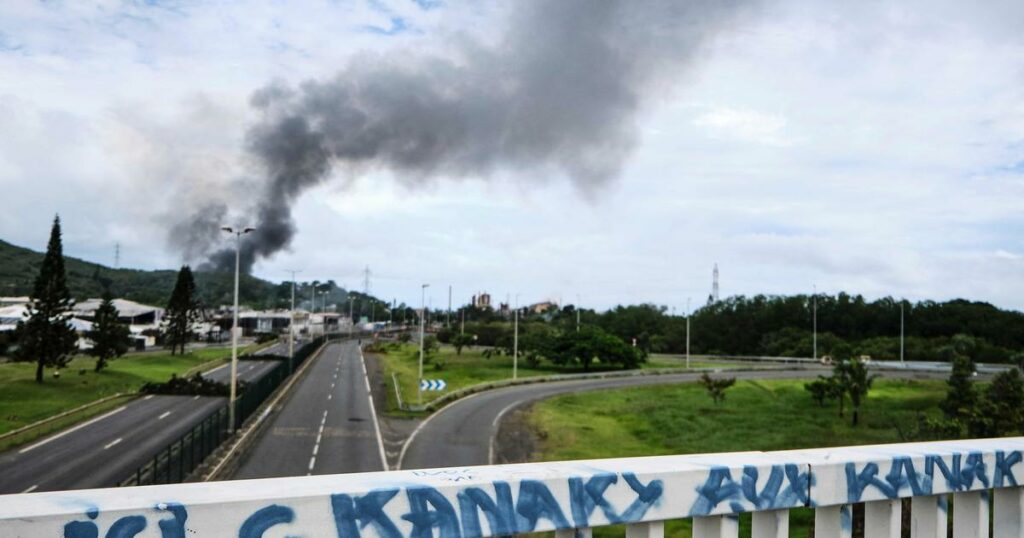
<point>975,479</point>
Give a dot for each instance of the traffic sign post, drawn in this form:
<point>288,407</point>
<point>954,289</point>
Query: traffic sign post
<point>433,384</point>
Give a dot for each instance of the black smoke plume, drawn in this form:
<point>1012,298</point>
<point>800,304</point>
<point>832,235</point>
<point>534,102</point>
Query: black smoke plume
<point>558,93</point>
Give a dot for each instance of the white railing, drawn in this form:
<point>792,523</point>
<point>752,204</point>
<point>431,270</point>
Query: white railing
<point>570,498</point>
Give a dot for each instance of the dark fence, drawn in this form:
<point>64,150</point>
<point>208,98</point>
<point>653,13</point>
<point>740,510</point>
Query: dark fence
<point>175,462</point>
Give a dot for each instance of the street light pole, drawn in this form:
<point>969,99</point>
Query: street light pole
<point>291,325</point>
<point>901,332</point>
<point>577,312</point>
<point>351,320</point>
<point>815,321</point>
<point>687,332</point>
<point>515,343</point>
<point>234,326</point>
<point>423,325</point>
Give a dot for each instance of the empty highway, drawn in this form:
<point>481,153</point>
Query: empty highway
<point>103,451</point>
<point>326,425</point>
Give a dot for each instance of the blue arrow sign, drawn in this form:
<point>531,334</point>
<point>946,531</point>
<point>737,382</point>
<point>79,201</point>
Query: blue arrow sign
<point>432,384</point>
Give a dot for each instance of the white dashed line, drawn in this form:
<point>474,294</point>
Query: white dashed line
<point>148,397</point>
<point>76,428</point>
<point>31,489</point>
<point>196,398</point>
<point>112,443</point>
<point>164,415</point>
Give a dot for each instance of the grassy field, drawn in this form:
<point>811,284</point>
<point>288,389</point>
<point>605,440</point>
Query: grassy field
<point>23,401</point>
<point>757,415</point>
<point>472,367</point>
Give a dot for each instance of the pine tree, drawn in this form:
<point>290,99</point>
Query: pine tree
<point>961,398</point>
<point>182,310</point>
<point>110,337</point>
<point>45,336</point>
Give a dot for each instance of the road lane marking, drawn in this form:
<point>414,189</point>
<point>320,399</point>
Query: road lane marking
<point>329,396</point>
<point>112,443</point>
<point>196,398</point>
<point>491,450</point>
<point>76,428</point>
<point>312,462</point>
<point>164,415</point>
<point>408,442</point>
<point>373,412</point>
<point>31,489</point>
<point>148,397</point>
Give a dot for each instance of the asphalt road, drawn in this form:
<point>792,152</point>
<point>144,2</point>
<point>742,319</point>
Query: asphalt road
<point>105,450</point>
<point>326,425</point>
<point>462,433</point>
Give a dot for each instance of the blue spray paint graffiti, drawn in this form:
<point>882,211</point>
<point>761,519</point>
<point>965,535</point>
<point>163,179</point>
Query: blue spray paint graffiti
<point>959,474</point>
<point>721,487</point>
<point>130,526</point>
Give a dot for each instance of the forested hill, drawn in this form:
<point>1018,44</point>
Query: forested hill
<point>19,267</point>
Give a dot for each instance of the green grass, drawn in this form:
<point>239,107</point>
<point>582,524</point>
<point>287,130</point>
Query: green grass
<point>23,401</point>
<point>471,368</point>
<point>757,415</point>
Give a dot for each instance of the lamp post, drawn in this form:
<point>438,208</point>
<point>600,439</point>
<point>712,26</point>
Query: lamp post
<point>687,332</point>
<point>901,332</point>
<point>423,325</point>
<point>291,325</point>
<point>814,323</point>
<point>515,343</point>
<point>351,320</point>
<point>577,312</point>
<point>234,325</point>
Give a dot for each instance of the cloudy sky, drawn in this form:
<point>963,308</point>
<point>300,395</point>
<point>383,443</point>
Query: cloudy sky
<point>872,147</point>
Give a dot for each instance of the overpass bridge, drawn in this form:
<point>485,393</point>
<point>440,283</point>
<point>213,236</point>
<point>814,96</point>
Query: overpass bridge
<point>973,481</point>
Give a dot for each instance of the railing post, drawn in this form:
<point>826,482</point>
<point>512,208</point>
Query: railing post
<point>1008,513</point>
<point>929,516</point>
<point>833,521</point>
<point>584,532</point>
<point>883,519</point>
<point>654,529</point>
<point>970,514</point>
<point>770,524</point>
<point>727,526</point>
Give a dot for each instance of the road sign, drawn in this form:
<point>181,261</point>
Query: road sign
<point>432,384</point>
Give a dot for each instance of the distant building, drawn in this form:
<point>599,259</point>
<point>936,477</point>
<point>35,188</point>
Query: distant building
<point>542,307</point>
<point>482,301</point>
<point>128,312</point>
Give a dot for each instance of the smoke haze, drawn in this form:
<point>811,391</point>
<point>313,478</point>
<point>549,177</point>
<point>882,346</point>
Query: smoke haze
<point>559,94</point>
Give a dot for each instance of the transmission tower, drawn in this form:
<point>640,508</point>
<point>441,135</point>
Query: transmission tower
<point>117,256</point>
<point>713,298</point>
<point>366,281</point>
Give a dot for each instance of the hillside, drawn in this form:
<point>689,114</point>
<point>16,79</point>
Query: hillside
<point>19,266</point>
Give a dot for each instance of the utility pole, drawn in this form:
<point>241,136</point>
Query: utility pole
<point>462,329</point>
<point>448,320</point>
<point>234,326</point>
<point>423,325</point>
<point>687,332</point>
<point>814,325</point>
<point>291,324</point>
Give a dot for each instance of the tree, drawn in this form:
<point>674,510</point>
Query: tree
<point>716,387</point>
<point>45,336</point>
<point>182,310</point>
<point>109,336</point>
<point>858,382</point>
<point>1001,412</point>
<point>460,341</point>
<point>837,385</point>
<point>820,390</point>
<point>961,399</point>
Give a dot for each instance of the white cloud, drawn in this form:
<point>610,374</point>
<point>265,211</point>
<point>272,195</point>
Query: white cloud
<point>868,147</point>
